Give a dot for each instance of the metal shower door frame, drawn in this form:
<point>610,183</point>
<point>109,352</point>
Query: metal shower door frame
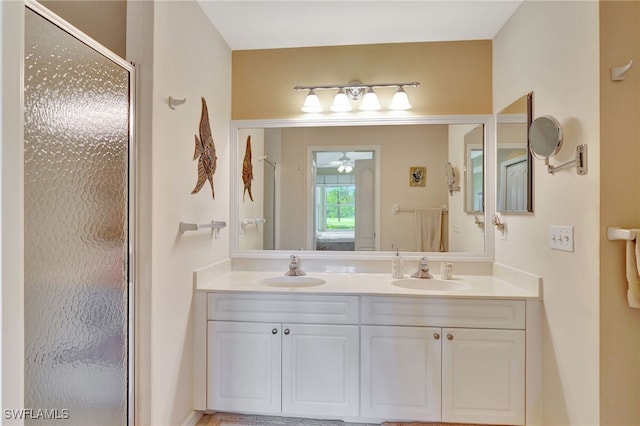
<point>132,184</point>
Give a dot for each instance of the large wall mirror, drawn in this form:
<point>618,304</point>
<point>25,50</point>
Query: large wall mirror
<point>514,172</point>
<point>361,187</point>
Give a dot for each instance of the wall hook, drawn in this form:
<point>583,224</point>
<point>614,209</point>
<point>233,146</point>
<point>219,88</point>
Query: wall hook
<point>617,73</point>
<point>173,103</point>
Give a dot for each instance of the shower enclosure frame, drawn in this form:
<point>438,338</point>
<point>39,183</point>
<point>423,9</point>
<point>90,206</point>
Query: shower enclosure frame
<point>274,200</point>
<point>132,184</point>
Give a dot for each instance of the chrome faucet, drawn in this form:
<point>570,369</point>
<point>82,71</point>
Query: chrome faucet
<point>295,270</point>
<point>423,269</point>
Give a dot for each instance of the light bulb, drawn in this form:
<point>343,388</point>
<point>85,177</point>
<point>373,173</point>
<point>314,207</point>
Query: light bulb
<point>370,101</point>
<point>400,100</point>
<point>312,103</point>
<point>348,168</point>
<point>341,102</point>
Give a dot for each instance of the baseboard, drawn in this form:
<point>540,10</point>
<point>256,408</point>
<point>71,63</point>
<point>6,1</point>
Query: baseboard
<point>193,418</point>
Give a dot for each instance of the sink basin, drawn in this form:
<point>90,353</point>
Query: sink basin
<point>291,282</point>
<point>430,284</point>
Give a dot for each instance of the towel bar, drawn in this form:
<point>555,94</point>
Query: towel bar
<point>615,233</point>
<point>215,225</point>
<point>395,208</point>
<point>257,221</point>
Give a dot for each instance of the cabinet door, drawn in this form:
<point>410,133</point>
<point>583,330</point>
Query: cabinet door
<point>400,373</point>
<point>243,366</point>
<point>483,376</point>
<point>320,370</point>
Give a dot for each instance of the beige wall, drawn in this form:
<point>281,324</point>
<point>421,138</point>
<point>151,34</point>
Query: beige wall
<point>103,20</point>
<point>455,77</point>
<point>619,206</point>
<point>551,48</point>
<point>181,55</point>
<point>465,235</point>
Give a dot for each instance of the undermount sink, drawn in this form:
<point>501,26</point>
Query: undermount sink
<point>291,281</point>
<point>430,284</point>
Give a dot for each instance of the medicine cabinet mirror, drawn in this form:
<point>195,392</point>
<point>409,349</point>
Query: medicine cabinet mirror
<point>514,171</point>
<point>362,186</point>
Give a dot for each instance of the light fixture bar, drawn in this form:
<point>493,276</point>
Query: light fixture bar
<point>356,85</point>
<point>356,90</point>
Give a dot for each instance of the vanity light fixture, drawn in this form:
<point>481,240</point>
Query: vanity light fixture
<point>341,102</point>
<point>400,101</point>
<point>356,91</point>
<point>370,101</point>
<point>312,103</point>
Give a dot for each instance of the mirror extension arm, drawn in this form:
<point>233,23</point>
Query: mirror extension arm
<point>580,162</point>
<point>545,140</point>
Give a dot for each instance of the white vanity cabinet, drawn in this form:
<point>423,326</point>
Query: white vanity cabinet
<point>368,358</point>
<point>244,368</point>
<point>483,376</point>
<point>292,355</point>
<point>400,373</point>
<point>451,360</point>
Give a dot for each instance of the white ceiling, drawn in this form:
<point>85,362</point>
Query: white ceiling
<point>267,24</point>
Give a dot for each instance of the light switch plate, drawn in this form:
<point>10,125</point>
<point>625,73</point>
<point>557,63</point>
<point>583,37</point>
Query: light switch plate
<point>561,237</point>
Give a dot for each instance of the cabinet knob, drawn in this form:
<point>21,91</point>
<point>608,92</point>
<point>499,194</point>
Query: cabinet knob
<point>436,336</point>
<point>274,331</point>
<point>286,331</point>
<point>449,336</point>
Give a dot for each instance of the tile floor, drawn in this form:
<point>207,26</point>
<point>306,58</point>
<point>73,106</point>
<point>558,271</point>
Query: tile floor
<point>229,419</point>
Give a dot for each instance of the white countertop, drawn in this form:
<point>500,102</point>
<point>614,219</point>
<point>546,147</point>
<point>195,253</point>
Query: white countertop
<point>478,286</point>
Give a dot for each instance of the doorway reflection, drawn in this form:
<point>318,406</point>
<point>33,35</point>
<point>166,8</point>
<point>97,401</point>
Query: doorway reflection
<point>344,195</point>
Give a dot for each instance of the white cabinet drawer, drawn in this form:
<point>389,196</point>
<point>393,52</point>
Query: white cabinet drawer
<point>299,308</point>
<point>434,312</point>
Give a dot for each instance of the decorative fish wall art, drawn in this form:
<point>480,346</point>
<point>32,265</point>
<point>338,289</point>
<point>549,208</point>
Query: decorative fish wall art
<point>205,152</point>
<point>247,170</point>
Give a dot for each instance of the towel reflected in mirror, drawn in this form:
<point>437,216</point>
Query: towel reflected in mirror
<point>428,229</point>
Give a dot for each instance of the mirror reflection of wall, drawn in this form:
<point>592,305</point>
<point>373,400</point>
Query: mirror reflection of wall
<point>474,170</point>
<point>350,188</point>
<point>513,159</point>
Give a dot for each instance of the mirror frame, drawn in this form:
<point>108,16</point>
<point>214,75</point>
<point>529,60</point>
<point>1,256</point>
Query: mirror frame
<point>488,120</point>
<point>530,164</point>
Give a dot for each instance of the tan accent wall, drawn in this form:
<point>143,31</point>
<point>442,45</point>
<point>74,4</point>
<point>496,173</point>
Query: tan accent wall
<point>455,77</point>
<point>619,205</point>
<point>103,20</point>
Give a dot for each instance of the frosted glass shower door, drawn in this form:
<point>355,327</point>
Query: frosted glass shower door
<point>77,175</point>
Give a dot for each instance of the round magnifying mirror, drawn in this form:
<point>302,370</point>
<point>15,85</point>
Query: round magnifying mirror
<point>545,137</point>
